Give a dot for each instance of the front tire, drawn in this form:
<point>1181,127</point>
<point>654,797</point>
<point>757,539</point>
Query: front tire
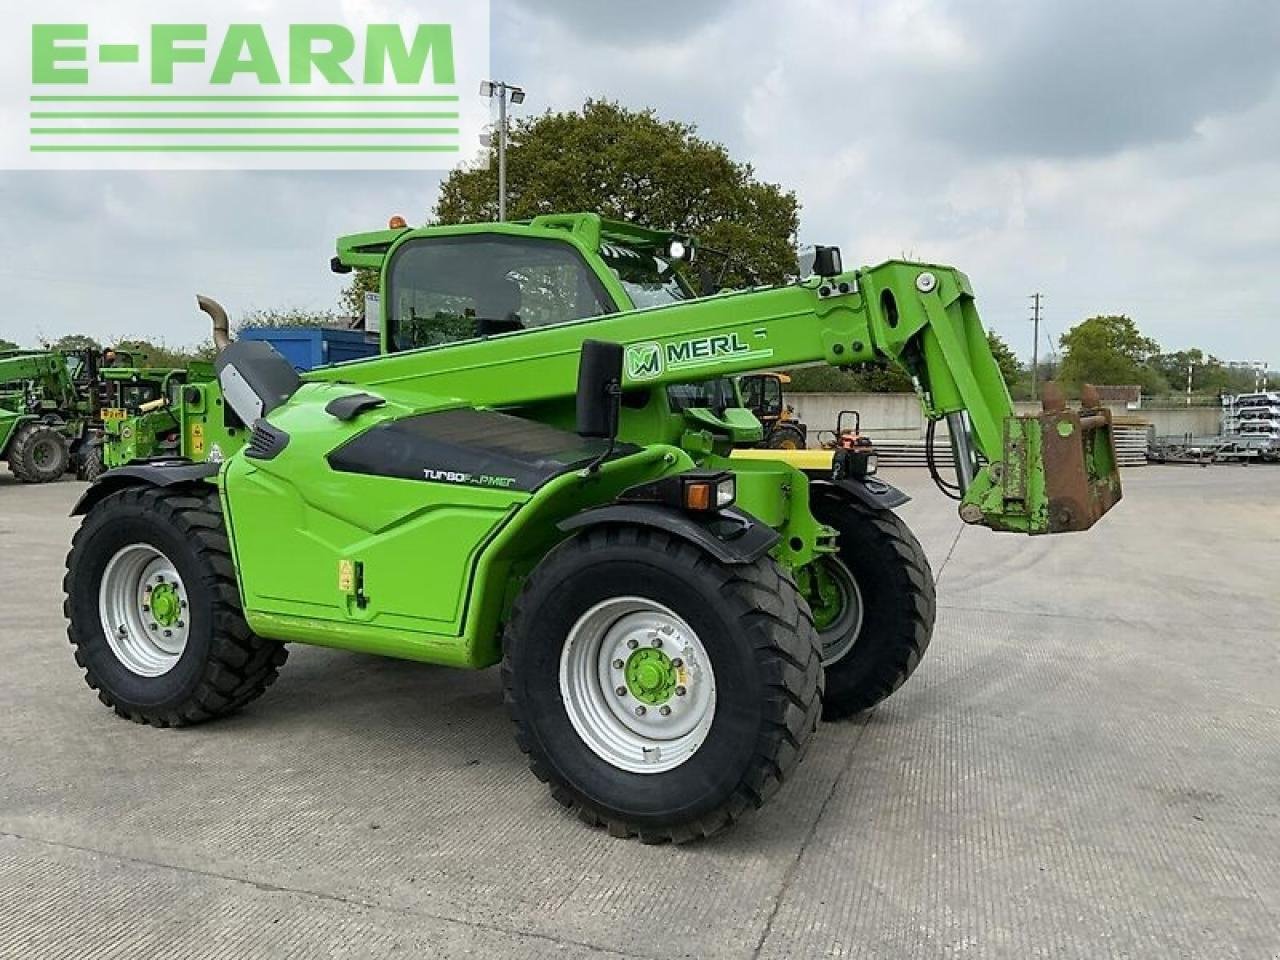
<point>39,453</point>
<point>154,612</point>
<point>875,634</point>
<point>658,692</point>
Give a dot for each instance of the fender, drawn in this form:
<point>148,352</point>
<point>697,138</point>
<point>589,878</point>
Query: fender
<point>869,490</point>
<point>731,536</point>
<point>155,473</point>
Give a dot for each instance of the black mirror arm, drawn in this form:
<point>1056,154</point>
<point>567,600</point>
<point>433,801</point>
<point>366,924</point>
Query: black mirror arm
<point>614,392</point>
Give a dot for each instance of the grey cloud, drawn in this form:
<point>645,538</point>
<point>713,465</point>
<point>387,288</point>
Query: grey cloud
<point>1115,159</point>
<point>623,23</point>
<point>1089,78</point>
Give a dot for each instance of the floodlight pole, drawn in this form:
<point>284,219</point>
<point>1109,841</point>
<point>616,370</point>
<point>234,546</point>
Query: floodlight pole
<point>502,90</point>
<point>502,155</point>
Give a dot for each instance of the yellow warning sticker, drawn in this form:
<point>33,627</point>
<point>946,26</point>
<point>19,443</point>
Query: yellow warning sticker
<point>197,438</point>
<point>346,576</point>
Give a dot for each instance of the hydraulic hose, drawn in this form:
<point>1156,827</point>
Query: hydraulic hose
<point>951,490</point>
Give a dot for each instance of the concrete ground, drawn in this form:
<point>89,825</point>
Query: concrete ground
<point>1085,765</point>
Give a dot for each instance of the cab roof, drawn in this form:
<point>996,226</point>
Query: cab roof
<point>368,250</point>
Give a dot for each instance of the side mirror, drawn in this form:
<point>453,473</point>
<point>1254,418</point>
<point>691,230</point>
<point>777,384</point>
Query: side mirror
<point>599,389</point>
<point>827,262</point>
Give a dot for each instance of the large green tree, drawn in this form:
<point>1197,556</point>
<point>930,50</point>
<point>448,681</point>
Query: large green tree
<point>1109,350</point>
<point>1010,366</point>
<point>633,165</point>
<point>1208,373</point>
<point>8,345</point>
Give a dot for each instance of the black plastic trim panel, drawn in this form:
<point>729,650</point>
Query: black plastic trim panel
<point>871,491</point>
<point>468,447</point>
<point>352,405</point>
<point>153,473</point>
<point>731,536</point>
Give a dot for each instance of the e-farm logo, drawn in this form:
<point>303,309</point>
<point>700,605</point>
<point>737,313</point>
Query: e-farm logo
<point>247,84</point>
<point>648,361</point>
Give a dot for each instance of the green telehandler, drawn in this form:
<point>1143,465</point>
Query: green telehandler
<point>528,477</point>
<point>44,415</point>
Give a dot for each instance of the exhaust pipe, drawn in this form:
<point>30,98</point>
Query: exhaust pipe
<point>221,325</point>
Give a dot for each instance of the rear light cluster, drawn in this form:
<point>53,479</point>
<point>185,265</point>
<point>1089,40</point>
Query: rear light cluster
<point>853,463</point>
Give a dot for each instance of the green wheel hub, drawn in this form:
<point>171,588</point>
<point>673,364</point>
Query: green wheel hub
<point>165,604</point>
<point>651,676</point>
<point>836,601</point>
<point>822,590</point>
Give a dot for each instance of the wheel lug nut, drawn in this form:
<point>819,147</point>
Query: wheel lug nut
<point>639,711</point>
<point>665,710</point>
<point>617,664</point>
<point>677,662</point>
<point>153,626</point>
<point>146,608</point>
<point>168,633</point>
<point>181,623</point>
<point>657,641</point>
<point>680,691</point>
<point>633,643</point>
<point>621,691</point>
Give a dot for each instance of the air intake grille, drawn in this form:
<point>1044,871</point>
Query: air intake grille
<point>266,442</point>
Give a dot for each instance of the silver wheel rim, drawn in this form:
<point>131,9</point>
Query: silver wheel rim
<point>624,731</point>
<point>147,640</point>
<point>838,639</point>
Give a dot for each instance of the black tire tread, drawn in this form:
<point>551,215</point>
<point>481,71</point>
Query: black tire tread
<point>20,462</point>
<point>92,464</point>
<point>241,665</point>
<point>782,430</point>
<point>778,625</point>
<point>914,585</point>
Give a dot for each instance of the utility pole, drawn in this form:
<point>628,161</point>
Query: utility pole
<point>1036,298</point>
<point>502,90</point>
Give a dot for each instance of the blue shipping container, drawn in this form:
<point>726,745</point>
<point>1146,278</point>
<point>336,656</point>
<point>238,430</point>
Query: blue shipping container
<point>310,347</point>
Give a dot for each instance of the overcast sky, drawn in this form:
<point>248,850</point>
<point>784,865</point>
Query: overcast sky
<point>1120,157</point>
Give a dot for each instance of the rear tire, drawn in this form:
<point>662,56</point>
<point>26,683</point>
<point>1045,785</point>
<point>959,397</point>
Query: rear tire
<point>786,437</point>
<point>192,661</point>
<point>91,465</point>
<point>39,453</point>
<point>896,592</point>
<point>751,654</point>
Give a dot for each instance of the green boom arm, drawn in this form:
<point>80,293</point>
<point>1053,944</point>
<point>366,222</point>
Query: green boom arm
<point>1050,473</point>
<point>47,369</point>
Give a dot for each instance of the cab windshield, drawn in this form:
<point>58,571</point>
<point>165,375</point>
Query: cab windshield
<point>648,280</point>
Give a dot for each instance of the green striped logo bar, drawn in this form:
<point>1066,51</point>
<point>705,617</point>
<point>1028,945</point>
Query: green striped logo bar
<point>307,88</point>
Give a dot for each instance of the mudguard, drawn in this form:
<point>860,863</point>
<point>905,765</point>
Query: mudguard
<point>156,473</point>
<point>869,490</point>
<point>731,536</point>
